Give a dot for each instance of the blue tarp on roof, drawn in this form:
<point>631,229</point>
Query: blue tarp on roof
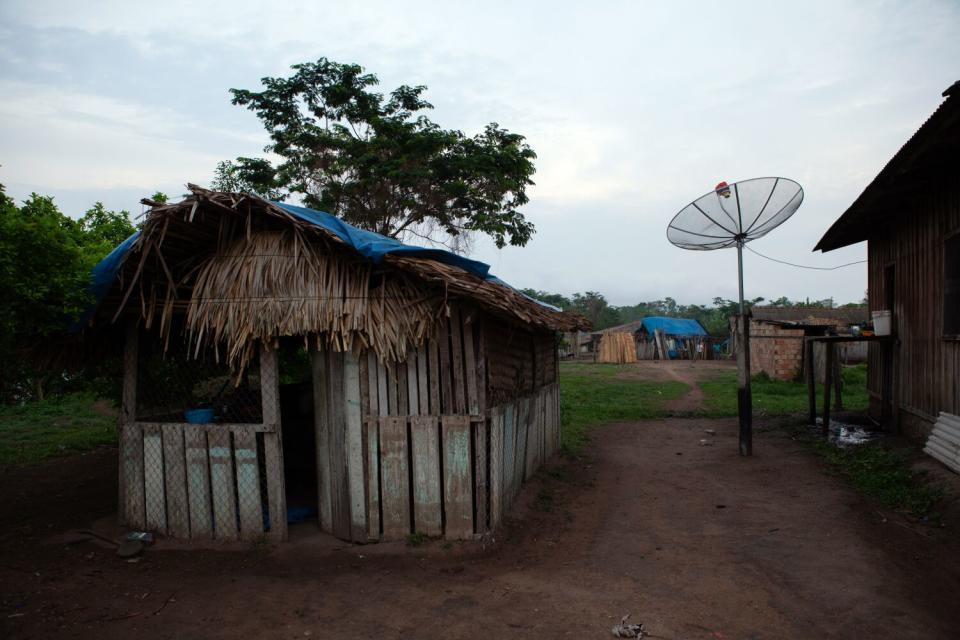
<point>374,246</point>
<point>367,243</point>
<point>675,327</point>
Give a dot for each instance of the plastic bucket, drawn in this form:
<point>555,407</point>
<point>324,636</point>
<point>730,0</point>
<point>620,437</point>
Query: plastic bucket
<point>881,322</point>
<point>199,416</point>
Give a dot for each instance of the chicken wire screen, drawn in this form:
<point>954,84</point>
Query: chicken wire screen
<point>176,387</point>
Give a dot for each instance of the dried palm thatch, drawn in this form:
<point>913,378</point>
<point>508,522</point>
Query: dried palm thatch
<point>239,270</point>
<point>269,285</point>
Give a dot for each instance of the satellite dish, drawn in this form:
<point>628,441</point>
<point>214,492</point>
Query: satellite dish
<point>731,216</point>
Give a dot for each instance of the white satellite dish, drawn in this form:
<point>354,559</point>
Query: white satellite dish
<point>731,216</point>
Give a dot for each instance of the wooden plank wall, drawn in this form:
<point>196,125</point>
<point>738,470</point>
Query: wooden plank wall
<point>418,419</point>
<point>202,481</point>
<point>928,366</point>
<point>523,435</point>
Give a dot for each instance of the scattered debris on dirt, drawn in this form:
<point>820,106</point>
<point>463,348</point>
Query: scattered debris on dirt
<point>628,630</point>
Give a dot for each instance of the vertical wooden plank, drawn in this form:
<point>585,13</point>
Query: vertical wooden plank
<point>470,365</point>
<point>395,494</point>
<point>523,432</point>
<point>392,395</point>
<point>496,467</point>
<point>509,453</point>
<point>273,443</point>
<point>339,482</point>
<point>382,399</point>
<point>355,450</point>
<point>456,351</point>
<point>425,456</point>
<point>433,352</point>
<point>423,383</point>
<point>198,482</point>
<point>154,493</point>
<point>131,473</point>
<point>321,419</point>
<point>377,408</point>
<point>248,484</point>
<point>413,387</point>
<point>175,477</point>
<point>481,498</point>
<point>373,478</point>
<point>128,415</point>
<point>222,487</point>
<point>446,393</point>
<point>403,400</point>
<point>457,481</point>
<point>827,382</point>
<point>530,464</point>
<point>479,332</point>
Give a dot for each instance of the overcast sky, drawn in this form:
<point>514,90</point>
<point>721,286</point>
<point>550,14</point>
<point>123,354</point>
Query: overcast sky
<point>634,109</point>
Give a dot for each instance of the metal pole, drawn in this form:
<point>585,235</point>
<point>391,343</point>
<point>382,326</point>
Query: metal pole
<point>744,399</point>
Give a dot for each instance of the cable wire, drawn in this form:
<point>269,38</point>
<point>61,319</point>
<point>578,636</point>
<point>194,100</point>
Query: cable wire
<point>803,266</point>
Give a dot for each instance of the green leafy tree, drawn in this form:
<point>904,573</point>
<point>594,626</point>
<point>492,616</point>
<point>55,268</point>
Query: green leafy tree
<point>556,299</point>
<point>248,175</point>
<point>378,162</point>
<point>45,262</point>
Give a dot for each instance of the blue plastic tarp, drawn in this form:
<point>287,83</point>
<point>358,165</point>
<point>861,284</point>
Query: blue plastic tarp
<point>374,246</point>
<point>674,327</point>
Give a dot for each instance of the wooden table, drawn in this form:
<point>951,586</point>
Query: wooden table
<point>888,388</point>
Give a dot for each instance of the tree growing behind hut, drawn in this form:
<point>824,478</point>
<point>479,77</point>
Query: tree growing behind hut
<point>378,162</point>
<point>45,262</point>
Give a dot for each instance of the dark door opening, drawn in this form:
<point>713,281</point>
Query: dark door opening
<point>299,439</point>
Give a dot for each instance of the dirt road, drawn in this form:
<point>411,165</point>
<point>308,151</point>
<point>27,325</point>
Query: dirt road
<point>691,540</point>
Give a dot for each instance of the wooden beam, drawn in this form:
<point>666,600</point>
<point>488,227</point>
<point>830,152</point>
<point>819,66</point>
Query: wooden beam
<point>827,382</point>
<point>273,442</point>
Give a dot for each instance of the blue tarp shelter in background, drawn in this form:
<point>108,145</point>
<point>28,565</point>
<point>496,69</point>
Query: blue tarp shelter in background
<point>367,243</point>
<point>674,327</point>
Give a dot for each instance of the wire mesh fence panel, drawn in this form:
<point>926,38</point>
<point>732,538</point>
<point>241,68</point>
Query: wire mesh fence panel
<point>174,386</point>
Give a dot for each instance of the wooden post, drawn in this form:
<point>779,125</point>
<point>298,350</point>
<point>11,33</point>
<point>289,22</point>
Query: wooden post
<point>810,373</point>
<point>273,442</point>
<point>838,383</point>
<point>130,498</point>
<point>894,388</point>
<point>827,381</point>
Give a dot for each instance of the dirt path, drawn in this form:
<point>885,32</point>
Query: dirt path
<point>689,373</point>
<point>692,540</point>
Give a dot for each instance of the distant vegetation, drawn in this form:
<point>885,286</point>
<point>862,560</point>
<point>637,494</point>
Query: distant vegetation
<point>602,314</point>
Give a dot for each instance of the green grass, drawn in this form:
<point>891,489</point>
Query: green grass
<point>67,424</point>
<point>881,472</point>
<point>591,394</point>
<point>779,397</point>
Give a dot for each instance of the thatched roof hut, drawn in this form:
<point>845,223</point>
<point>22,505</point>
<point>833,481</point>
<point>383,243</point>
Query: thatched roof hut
<point>421,367</point>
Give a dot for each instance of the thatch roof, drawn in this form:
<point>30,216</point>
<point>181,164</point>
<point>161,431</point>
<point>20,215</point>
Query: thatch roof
<point>238,269</point>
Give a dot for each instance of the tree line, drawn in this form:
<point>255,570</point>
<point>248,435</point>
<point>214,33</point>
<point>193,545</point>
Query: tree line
<point>714,318</point>
<point>46,259</point>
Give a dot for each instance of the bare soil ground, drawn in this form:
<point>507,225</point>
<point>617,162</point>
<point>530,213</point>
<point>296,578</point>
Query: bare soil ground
<point>692,540</point>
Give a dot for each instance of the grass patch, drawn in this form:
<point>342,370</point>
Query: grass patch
<point>57,426</point>
<point>416,539</point>
<point>591,394</point>
<point>882,473</point>
<point>780,397</point>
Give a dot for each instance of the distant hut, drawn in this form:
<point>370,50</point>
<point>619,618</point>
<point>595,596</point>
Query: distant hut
<point>909,215</point>
<point>428,388</point>
<point>777,333</point>
<point>653,338</point>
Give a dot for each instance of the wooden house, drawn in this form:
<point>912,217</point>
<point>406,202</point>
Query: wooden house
<point>280,363</point>
<point>910,217</point>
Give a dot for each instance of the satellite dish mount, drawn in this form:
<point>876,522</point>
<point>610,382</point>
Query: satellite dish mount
<point>731,216</point>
